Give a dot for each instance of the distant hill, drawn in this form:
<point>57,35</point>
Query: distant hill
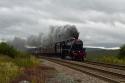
<point>92,49</point>
<point>100,52</point>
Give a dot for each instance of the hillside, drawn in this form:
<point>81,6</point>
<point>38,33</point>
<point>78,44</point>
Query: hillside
<point>103,52</point>
<point>93,53</point>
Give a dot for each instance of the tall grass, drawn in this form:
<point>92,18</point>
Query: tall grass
<point>4,58</point>
<point>10,67</point>
<point>8,71</point>
<point>11,60</point>
<point>26,62</point>
<point>111,59</point>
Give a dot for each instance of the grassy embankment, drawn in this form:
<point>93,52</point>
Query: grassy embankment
<point>16,67</point>
<point>12,62</point>
<point>11,67</point>
<point>108,56</point>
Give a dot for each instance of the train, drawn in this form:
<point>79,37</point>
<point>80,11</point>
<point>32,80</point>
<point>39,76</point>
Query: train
<point>71,48</point>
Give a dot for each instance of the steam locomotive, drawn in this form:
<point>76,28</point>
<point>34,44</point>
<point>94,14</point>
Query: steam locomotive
<point>72,48</point>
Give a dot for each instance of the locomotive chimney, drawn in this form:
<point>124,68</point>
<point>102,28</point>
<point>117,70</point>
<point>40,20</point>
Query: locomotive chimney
<point>76,35</point>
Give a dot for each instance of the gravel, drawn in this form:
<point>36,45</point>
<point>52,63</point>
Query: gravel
<point>68,75</point>
<point>62,78</point>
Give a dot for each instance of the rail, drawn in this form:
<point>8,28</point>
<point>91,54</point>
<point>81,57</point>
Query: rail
<point>100,70</point>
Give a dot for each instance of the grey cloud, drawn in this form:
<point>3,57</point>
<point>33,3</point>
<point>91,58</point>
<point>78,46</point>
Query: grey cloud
<point>100,5</point>
<point>102,20</point>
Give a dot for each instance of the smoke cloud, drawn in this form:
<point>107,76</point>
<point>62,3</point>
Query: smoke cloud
<point>18,43</point>
<point>60,33</point>
<point>55,34</point>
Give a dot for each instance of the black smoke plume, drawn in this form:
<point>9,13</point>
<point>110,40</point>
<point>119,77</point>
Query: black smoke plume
<point>55,34</point>
<point>60,33</point>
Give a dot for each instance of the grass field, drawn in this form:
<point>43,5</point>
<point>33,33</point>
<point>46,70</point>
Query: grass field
<point>109,56</point>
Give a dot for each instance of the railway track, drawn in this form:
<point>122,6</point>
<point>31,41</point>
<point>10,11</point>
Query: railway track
<point>107,72</point>
<point>120,67</point>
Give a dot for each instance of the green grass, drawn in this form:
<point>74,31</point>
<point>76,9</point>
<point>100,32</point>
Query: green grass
<point>111,60</point>
<point>10,67</point>
<point>94,55</point>
<point>105,56</point>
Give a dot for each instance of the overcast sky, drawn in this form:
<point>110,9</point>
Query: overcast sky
<point>100,22</point>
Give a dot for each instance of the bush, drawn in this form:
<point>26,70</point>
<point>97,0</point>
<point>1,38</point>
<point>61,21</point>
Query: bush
<point>122,52</point>
<point>6,49</point>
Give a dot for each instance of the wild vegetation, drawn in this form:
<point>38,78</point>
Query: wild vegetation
<point>113,57</point>
<point>19,66</point>
<point>8,50</point>
<point>12,61</point>
<point>112,60</point>
<point>122,52</point>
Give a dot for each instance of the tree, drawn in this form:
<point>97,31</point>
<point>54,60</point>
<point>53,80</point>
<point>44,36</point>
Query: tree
<point>122,52</point>
<point>6,49</point>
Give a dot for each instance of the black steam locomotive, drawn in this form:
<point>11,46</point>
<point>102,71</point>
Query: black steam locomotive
<point>72,48</point>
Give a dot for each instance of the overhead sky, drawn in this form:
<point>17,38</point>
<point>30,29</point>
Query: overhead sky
<point>100,22</point>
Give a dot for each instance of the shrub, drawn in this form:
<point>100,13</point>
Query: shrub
<point>7,50</point>
<point>122,52</point>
